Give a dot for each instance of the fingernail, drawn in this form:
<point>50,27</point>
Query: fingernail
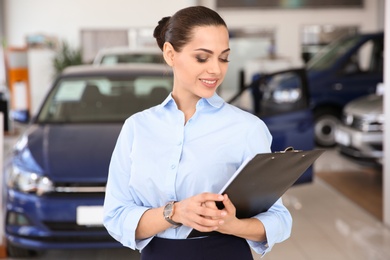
<point>221,222</point>
<point>220,197</point>
<point>223,213</point>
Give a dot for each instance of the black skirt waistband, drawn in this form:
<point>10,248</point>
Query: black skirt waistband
<point>224,247</point>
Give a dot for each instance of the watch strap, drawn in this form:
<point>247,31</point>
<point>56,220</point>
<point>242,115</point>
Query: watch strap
<point>176,224</point>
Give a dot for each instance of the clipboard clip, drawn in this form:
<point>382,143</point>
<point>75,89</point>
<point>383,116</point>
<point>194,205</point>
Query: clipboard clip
<point>289,149</point>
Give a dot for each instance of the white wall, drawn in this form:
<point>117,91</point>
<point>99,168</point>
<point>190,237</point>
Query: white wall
<point>65,18</point>
<point>41,75</point>
<point>288,23</point>
<point>1,21</point>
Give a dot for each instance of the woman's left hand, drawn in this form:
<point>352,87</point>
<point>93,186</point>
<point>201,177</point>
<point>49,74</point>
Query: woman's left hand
<point>229,221</point>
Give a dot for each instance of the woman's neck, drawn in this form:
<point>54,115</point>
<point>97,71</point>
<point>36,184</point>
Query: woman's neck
<point>186,104</point>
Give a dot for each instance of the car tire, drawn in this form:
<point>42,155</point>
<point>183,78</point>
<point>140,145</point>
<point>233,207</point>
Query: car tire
<point>326,120</point>
<point>19,252</point>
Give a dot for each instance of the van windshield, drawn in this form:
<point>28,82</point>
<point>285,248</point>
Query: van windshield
<point>328,55</point>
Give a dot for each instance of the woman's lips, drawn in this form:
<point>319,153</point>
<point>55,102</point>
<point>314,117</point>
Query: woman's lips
<point>210,83</point>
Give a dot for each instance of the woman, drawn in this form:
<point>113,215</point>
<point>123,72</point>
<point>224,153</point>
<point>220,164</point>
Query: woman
<point>170,161</point>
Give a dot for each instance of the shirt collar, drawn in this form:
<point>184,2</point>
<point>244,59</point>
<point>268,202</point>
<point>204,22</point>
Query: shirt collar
<point>168,100</point>
<point>214,101</point>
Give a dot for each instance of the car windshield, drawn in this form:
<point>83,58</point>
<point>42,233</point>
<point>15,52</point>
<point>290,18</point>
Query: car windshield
<point>102,99</point>
<point>328,55</point>
<point>110,59</point>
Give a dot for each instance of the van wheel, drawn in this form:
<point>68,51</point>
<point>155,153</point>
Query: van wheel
<point>325,124</point>
<point>19,252</point>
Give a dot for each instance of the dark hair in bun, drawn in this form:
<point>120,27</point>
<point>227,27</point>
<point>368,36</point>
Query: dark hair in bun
<point>177,29</point>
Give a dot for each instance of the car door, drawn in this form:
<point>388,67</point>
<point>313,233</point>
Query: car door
<point>360,71</point>
<point>281,100</point>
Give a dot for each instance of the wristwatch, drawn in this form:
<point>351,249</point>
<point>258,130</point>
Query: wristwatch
<point>168,213</point>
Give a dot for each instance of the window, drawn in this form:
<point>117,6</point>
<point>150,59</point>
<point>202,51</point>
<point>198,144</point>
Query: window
<point>103,99</point>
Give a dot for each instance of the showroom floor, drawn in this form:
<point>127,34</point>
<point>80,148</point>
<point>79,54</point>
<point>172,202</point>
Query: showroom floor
<point>329,222</point>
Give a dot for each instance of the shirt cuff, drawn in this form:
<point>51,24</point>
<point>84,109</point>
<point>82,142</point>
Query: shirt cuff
<point>260,248</point>
<point>271,233</point>
<point>130,225</point>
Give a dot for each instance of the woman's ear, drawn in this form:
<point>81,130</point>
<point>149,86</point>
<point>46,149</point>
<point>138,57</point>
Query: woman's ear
<point>169,53</point>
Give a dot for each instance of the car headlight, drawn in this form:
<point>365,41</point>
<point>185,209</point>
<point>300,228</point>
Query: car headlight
<point>29,182</point>
<point>286,95</point>
<point>284,88</point>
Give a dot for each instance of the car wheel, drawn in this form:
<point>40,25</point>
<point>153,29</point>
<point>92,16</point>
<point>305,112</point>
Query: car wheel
<point>326,121</point>
<point>17,252</point>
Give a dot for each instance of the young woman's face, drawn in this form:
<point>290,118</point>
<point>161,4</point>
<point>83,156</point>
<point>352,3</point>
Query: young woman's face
<point>202,64</point>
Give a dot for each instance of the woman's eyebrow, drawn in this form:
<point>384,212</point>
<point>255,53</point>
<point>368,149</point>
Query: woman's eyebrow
<point>211,52</point>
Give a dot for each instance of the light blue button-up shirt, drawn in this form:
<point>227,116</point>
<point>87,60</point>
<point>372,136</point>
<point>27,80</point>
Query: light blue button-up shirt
<point>160,158</point>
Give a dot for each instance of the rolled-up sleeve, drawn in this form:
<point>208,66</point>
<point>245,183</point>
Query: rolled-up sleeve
<point>121,213</point>
<point>277,222</point>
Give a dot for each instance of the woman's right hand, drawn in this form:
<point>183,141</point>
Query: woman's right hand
<point>200,212</point>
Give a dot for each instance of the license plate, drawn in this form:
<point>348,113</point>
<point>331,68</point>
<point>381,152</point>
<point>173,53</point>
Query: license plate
<point>342,137</point>
<point>90,215</point>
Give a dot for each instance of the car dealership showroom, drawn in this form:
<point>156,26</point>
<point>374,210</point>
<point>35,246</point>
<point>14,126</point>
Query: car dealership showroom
<point>72,72</point>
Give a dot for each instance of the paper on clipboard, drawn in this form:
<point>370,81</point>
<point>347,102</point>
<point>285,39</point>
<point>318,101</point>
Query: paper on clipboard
<point>262,180</point>
<point>234,175</point>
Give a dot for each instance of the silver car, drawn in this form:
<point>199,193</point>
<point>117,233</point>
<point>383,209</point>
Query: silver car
<point>360,135</point>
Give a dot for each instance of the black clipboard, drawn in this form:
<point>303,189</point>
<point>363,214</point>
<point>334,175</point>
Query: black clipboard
<point>261,181</point>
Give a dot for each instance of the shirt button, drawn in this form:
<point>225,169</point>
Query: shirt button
<point>179,143</point>
<point>173,166</point>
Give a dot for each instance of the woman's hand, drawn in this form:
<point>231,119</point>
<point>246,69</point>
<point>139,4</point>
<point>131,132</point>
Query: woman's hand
<point>229,221</point>
<point>194,213</point>
<point>248,228</point>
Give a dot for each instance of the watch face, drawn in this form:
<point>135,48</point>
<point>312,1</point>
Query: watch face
<point>168,210</point>
<point>168,213</point>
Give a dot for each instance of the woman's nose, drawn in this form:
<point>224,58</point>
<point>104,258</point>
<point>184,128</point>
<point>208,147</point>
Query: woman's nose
<point>214,67</point>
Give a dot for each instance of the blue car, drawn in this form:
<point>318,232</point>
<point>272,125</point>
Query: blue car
<point>346,69</point>
<point>55,179</point>
<point>58,171</point>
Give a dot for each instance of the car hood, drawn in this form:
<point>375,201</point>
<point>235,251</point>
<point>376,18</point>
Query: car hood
<point>367,105</point>
<point>73,153</point>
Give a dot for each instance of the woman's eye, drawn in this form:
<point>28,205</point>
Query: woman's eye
<point>201,60</point>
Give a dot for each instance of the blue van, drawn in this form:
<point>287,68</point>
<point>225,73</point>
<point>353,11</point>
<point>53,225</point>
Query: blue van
<point>344,70</point>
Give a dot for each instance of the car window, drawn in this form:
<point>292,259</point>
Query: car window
<point>70,91</point>
<point>367,59</point>
<point>102,99</point>
<point>328,55</point>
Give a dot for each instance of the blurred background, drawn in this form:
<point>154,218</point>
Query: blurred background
<point>314,71</point>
